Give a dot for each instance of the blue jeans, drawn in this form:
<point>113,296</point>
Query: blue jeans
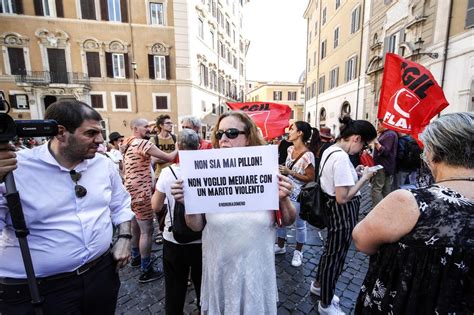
<point>300,226</point>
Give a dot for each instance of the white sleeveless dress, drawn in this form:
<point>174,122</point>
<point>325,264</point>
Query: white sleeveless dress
<point>238,275</point>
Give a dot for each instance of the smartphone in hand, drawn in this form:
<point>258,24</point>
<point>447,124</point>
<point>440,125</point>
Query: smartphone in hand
<point>375,168</point>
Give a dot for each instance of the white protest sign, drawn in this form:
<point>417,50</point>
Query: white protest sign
<point>231,179</point>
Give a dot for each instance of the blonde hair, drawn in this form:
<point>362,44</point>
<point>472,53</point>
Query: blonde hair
<point>252,133</point>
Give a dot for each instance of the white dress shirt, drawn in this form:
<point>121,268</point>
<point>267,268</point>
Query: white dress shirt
<point>65,231</point>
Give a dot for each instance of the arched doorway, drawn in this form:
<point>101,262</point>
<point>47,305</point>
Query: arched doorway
<point>322,117</point>
<point>345,109</point>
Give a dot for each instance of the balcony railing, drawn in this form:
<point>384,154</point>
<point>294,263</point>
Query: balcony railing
<point>47,77</point>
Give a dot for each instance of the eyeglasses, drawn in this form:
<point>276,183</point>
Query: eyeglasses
<point>230,133</point>
<point>168,123</point>
<point>79,190</point>
<point>187,127</point>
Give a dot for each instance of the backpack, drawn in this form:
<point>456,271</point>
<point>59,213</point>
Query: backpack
<point>157,140</point>
<point>314,201</point>
<point>408,154</point>
<point>181,232</point>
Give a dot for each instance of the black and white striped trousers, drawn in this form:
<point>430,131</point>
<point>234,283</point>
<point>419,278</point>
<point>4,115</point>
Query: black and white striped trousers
<point>341,222</point>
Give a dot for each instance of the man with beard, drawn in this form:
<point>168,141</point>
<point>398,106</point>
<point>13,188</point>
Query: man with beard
<point>137,151</point>
<point>72,199</point>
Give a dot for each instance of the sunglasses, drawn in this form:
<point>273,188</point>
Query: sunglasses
<point>230,133</point>
<point>79,190</point>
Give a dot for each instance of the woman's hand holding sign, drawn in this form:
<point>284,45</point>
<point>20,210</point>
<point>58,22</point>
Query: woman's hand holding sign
<point>177,191</point>
<point>288,212</point>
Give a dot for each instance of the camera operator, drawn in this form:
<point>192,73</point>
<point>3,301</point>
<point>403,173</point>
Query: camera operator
<point>71,199</point>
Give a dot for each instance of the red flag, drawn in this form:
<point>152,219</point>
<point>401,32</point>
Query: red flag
<point>409,97</point>
<point>271,118</point>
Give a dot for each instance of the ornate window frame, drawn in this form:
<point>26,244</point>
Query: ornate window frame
<point>14,40</point>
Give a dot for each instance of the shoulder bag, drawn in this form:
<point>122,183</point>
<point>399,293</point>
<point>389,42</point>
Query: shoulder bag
<point>314,202</point>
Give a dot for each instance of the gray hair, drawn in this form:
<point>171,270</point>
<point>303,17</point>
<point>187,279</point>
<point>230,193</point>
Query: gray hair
<point>188,139</point>
<point>450,139</point>
<point>196,122</point>
<point>138,122</point>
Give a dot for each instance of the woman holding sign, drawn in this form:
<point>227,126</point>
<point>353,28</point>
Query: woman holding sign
<point>299,167</point>
<point>238,261</point>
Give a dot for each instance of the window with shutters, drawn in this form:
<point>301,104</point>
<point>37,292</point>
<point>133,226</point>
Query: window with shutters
<point>159,63</point>
<point>53,8</point>
<point>114,11</point>
<point>221,85</point>
<point>213,80</point>
<point>470,14</point>
<point>338,4</point>
<point>315,28</point>
<point>19,101</point>
<point>88,9</point>
<point>17,61</point>
<point>333,78</point>
<point>121,101</point>
<point>93,64</point>
<point>204,75</point>
<point>277,95</point>
<point>201,29</point>
<point>355,20</point>
<point>292,95</point>
<point>321,87</point>
<point>161,102</point>
<point>227,28</point>
<point>118,66</point>
<point>314,58</point>
<point>212,39</point>
<point>393,43</point>
<point>323,49</point>
<point>156,13</point>
<point>97,100</point>
<point>11,6</point>
<point>336,37</point>
<point>323,19</point>
<point>351,70</point>
<point>313,89</point>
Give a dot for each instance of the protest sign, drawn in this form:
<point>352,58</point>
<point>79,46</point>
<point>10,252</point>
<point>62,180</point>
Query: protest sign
<point>271,118</point>
<point>409,97</point>
<point>231,179</point>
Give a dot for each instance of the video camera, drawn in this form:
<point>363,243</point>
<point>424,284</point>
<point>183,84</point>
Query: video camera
<point>9,128</point>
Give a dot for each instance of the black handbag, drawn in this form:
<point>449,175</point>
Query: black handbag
<point>314,202</point>
<point>181,232</point>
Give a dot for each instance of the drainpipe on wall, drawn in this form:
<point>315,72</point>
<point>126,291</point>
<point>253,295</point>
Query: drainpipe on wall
<point>446,43</point>
<point>319,58</point>
<point>134,64</point>
<point>360,59</point>
<point>306,78</point>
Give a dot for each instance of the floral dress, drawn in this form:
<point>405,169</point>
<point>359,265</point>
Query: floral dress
<point>431,269</point>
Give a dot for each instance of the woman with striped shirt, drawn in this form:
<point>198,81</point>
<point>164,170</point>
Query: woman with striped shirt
<point>339,180</point>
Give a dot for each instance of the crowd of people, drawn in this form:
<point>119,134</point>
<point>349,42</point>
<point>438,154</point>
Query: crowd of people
<point>97,214</point>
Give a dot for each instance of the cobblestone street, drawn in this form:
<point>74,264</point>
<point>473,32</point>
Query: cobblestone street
<point>293,283</point>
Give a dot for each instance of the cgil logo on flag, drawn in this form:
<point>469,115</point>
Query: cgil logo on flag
<point>409,97</point>
<point>271,118</point>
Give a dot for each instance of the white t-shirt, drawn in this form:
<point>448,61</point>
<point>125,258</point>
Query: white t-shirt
<point>338,171</point>
<point>115,156</point>
<point>164,185</point>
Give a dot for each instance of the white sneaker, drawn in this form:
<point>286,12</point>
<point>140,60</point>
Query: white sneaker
<point>297,258</point>
<point>333,309</point>
<point>279,250</point>
<point>314,289</point>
